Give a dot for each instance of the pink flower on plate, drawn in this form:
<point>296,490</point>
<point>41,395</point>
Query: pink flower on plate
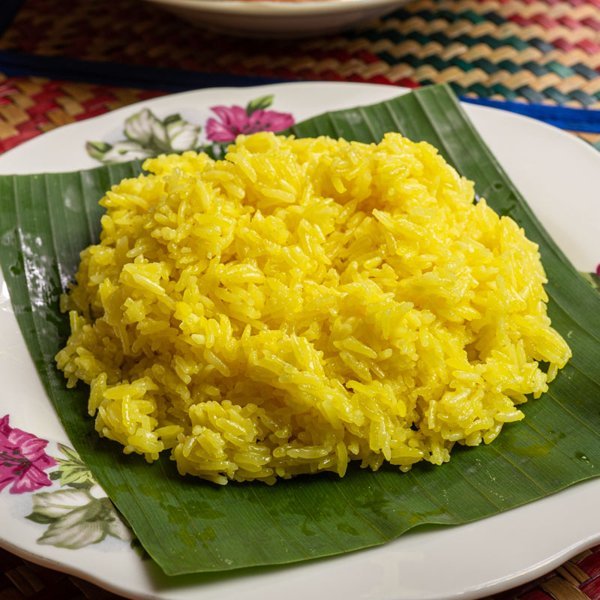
<point>22,460</point>
<point>233,120</point>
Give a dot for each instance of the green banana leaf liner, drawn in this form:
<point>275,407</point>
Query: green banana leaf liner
<point>191,526</point>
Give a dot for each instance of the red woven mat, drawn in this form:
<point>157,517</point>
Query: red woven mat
<point>534,50</point>
<point>31,105</point>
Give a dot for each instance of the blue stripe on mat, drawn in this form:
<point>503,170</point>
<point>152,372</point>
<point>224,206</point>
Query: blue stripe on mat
<point>14,64</point>
<point>585,120</point>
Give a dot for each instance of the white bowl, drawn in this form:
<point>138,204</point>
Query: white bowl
<point>278,18</point>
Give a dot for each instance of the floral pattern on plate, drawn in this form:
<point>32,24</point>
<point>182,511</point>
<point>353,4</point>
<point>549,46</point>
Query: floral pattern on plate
<point>77,514</point>
<point>594,278</point>
<point>23,460</point>
<point>147,135</point>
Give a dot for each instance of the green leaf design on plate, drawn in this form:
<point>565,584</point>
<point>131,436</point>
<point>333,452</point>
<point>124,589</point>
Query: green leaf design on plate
<point>56,505</point>
<point>147,135</point>
<point>76,518</point>
<point>75,531</point>
<point>72,471</point>
<point>259,104</point>
<point>189,525</point>
<point>39,518</point>
<point>593,279</point>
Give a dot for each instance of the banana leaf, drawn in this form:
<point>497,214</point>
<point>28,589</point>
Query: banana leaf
<point>191,526</point>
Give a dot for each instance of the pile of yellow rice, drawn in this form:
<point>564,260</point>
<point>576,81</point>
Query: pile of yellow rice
<point>305,303</point>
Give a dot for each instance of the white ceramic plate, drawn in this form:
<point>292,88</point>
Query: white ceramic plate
<point>560,177</point>
<point>279,18</point>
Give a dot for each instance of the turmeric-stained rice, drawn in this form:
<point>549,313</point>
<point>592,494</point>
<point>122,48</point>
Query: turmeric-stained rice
<point>305,303</point>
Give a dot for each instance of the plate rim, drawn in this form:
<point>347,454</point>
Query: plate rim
<point>278,8</point>
<point>526,574</point>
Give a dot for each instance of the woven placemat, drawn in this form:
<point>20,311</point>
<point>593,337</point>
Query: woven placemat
<point>30,106</point>
<point>534,50</point>
<point>114,53</point>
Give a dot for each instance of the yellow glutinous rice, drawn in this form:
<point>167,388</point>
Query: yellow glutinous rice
<point>305,303</point>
